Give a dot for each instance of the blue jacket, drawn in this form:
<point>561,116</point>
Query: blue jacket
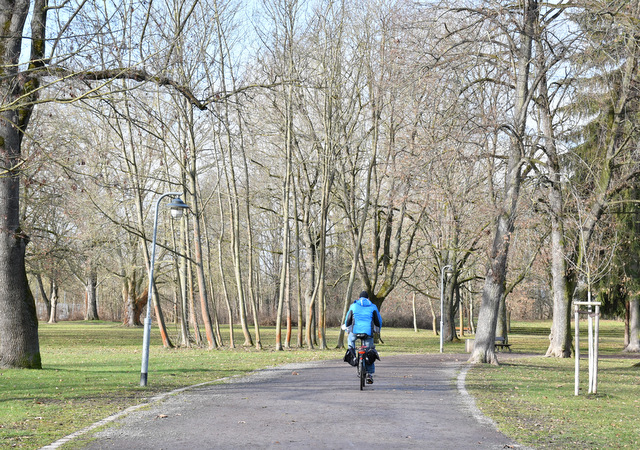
<point>362,317</point>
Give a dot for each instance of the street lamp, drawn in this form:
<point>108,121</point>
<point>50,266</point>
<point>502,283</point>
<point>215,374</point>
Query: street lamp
<point>448,269</point>
<point>177,209</point>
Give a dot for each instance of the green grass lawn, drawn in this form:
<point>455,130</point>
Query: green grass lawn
<point>92,370</point>
<point>532,399</point>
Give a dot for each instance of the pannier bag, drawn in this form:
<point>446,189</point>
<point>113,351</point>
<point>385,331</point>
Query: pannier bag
<point>371,355</point>
<point>350,356</point>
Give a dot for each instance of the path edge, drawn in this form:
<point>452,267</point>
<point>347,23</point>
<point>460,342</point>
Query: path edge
<point>469,401</point>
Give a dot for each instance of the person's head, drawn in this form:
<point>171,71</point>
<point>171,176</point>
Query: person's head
<point>364,294</point>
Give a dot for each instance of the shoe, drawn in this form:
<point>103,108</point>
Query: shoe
<point>369,379</point>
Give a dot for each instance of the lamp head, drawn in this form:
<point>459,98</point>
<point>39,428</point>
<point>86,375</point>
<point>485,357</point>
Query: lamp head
<point>177,207</point>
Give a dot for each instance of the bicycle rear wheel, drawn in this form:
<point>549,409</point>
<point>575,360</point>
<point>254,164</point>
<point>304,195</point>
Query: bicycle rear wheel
<point>363,373</point>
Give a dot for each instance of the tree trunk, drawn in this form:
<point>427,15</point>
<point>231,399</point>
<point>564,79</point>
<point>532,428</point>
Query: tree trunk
<point>223,277</point>
<point>324,212</point>
<point>283,290</point>
<point>54,298</point>
<point>181,275</point>
<point>413,311</point>
<point>139,303</point>
<point>287,299</point>
<point>202,285</point>
<point>449,330</point>
<point>133,305</point>
<point>164,335</point>
<point>434,318</point>
<point>286,195</point>
<point>128,302</point>
<point>212,298</point>
<point>560,336</point>
<point>627,321</point>
<point>19,345</point>
<point>472,325</point>
<point>461,314</point>
<point>300,333</point>
<point>310,269</point>
<point>91,311</point>
<point>634,326</point>
<point>158,311</point>
<point>191,295</point>
<point>483,349</point>
<point>193,316</point>
<point>501,325</point>
<point>235,247</point>
<point>43,294</point>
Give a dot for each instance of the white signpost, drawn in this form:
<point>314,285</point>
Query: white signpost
<point>592,340</point>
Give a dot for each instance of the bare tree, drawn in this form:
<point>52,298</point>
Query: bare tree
<point>519,41</point>
<point>23,68</point>
<point>606,174</point>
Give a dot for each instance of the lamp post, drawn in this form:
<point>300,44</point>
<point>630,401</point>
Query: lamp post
<point>448,269</point>
<point>177,209</point>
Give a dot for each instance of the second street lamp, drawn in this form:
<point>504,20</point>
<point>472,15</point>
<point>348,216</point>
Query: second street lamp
<point>177,209</point>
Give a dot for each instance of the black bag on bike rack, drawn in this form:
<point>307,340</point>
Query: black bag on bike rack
<point>371,355</point>
<point>350,356</point>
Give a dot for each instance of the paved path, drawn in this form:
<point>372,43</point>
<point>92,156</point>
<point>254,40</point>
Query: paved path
<point>417,401</point>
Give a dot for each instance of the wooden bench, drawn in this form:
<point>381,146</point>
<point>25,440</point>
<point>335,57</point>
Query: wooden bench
<point>467,330</point>
<point>501,344</point>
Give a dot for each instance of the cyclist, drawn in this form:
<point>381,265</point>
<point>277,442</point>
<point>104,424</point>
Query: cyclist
<point>363,317</point>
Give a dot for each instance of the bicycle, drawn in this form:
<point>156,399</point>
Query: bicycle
<point>361,367</point>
